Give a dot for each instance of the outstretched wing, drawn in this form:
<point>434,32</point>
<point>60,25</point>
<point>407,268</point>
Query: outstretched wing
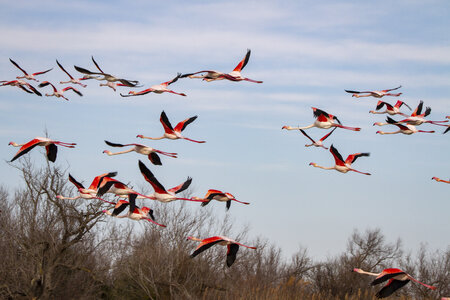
<point>181,187</point>
<point>243,62</point>
<point>75,182</point>
<point>206,244</point>
<point>52,151</point>
<point>166,123</point>
<point>182,125</point>
<point>64,70</point>
<point>337,156</point>
<point>352,157</point>
<point>390,288</point>
<point>26,148</point>
<point>150,178</point>
<point>14,63</point>
<point>231,253</point>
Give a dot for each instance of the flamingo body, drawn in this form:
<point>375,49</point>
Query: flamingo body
<point>50,147</point>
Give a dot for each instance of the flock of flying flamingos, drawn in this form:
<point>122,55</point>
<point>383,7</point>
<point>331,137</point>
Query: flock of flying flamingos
<point>105,183</point>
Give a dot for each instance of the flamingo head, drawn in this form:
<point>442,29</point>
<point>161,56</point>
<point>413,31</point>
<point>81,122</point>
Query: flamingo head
<point>312,164</point>
<point>379,132</point>
<point>189,238</point>
<point>12,144</point>
<point>378,124</point>
<point>356,270</point>
<point>285,127</point>
<point>140,136</point>
<point>435,178</point>
<point>107,152</point>
<point>131,93</point>
<point>355,95</point>
<point>371,112</point>
<point>59,197</point>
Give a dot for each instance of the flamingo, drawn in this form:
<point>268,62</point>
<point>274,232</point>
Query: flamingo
<point>158,89</point>
<point>152,153</point>
<point>207,243</point>
<point>376,94</point>
<point>89,193</point>
<point>116,187</point>
<point>440,180</point>
<point>22,85</point>
<point>418,118</point>
<point>72,80</point>
<point>50,147</point>
<point>59,94</point>
<point>134,213</point>
<point>219,196</point>
<point>405,129</point>
<point>106,76</point>
<point>170,132</point>
<point>341,165</point>
<point>319,142</point>
<point>161,194</point>
<point>397,279</point>
<point>323,120</point>
<point>392,110</point>
<point>28,76</point>
<point>235,75</point>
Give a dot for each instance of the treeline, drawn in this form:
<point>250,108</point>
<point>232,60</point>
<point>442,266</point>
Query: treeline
<point>69,249</point>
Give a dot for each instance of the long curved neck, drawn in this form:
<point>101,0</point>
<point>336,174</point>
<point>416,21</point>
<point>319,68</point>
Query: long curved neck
<point>321,167</point>
<point>364,272</point>
<point>394,132</point>
<point>298,128</point>
<point>195,239</point>
<point>150,138</point>
<point>120,152</point>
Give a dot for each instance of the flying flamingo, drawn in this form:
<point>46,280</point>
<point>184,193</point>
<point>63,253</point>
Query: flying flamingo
<point>72,80</point>
<point>392,110</point>
<point>397,279</point>
<point>106,76</point>
<point>116,187</point>
<point>376,94</point>
<point>89,193</point>
<point>158,89</point>
<point>50,147</point>
<point>440,180</point>
<point>207,243</point>
<point>418,118</point>
<point>323,120</point>
<point>22,85</point>
<point>161,194</point>
<point>341,165</point>
<point>170,132</point>
<point>28,76</point>
<point>219,196</point>
<point>319,142</point>
<point>59,93</point>
<point>152,153</point>
<point>134,213</point>
<point>405,129</point>
<point>235,75</point>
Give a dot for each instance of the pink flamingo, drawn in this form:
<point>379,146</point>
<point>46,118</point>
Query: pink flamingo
<point>161,194</point>
<point>235,75</point>
<point>219,196</point>
<point>341,165</point>
<point>440,180</point>
<point>318,143</point>
<point>158,89</point>
<point>170,132</point>
<point>392,110</point>
<point>418,118</point>
<point>89,193</point>
<point>134,213</point>
<point>28,76</point>
<point>50,147</point>
<point>405,129</point>
<point>376,94</point>
<point>22,85</point>
<point>207,243</point>
<point>152,153</point>
<point>397,279</point>
<point>59,94</point>
<point>324,121</point>
<point>72,80</point>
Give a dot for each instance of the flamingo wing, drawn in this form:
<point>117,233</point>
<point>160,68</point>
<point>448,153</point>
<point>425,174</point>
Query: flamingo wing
<point>14,63</point>
<point>327,135</point>
<point>85,71</point>
<point>64,70</point>
<point>73,89</point>
<point>150,178</point>
<point>140,93</point>
<point>181,187</point>
<point>380,105</point>
<point>352,157</point>
<point>33,89</point>
<point>120,207</point>
<point>166,123</point>
<point>99,179</point>
<point>243,62</point>
<point>387,274</point>
<point>95,63</point>
<point>154,158</point>
<point>23,88</point>
<point>352,92</point>
<point>388,90</point>
<point>418,109</point>
<point>75,182</point>
<point>304,133</point>
<point>182,125</point>
<point>132,200</point>
<point>129,83</point>
<point>115,145</point>
<point>26,148</point>
<point>390,288</point>
<point>337,156</point>
<point>400,103</point>
<point>206,244</point>
<point>45,83</point>
<point>173,80</point>
<point>43,72</point>
<point>231,253</point>
<point>393,122</point>
<point>105,184</point>
<point>318,112</point>
<point>52,150</point>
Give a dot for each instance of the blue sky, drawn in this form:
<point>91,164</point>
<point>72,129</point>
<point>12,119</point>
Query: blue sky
<point>306,52</point>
